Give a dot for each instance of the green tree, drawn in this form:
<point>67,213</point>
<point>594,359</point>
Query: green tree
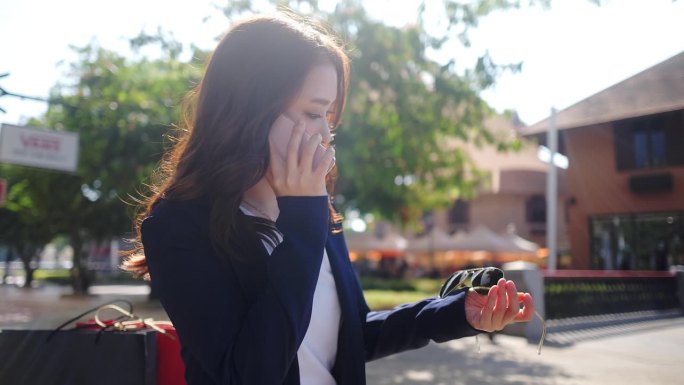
<point>393,157</point>
<point>122,108</point>
<point>22,229</point>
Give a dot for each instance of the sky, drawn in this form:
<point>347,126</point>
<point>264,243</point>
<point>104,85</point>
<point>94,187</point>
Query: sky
<point>568,53</point>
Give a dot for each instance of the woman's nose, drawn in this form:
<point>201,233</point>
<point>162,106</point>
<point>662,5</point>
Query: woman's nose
<point>327,135</point>
<point>324,130</point>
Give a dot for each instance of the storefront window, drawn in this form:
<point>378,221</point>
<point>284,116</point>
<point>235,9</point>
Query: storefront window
<point>646,241</point>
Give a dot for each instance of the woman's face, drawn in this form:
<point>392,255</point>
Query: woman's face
<point>313,103</point>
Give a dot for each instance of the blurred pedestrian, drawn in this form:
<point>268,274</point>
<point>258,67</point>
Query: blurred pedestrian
<point>241,239</point>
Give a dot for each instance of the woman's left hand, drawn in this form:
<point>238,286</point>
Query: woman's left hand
<point>500,307</point>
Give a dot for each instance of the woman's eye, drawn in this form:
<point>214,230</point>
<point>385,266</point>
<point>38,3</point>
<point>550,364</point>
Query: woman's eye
<point>314,116</point>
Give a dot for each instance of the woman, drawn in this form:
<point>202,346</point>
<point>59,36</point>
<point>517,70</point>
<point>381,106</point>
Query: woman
<point>241,240</point>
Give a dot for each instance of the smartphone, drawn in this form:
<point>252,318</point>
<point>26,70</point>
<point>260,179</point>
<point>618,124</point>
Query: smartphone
<point>282,131</point>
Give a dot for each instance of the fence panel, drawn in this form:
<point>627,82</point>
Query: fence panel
<point>569,293</point>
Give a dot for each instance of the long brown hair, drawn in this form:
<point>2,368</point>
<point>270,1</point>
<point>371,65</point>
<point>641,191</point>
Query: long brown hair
<point>222,150</point>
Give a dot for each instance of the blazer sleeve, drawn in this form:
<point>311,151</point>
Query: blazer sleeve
<point>413,325</point>
<point>236,342</point>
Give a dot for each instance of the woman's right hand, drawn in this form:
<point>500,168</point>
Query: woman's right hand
<point>297,176</point>
<point>500,307</point>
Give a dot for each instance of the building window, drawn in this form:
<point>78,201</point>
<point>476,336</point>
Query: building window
<point>643,241</point>
<point>650,141</point>
<point>459,215</point>
<point>649,147</point>
<point>536,209</point>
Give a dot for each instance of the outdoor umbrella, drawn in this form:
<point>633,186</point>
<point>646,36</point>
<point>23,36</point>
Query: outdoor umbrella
<point>391,242</point>
<point>359,242</point>
<point>483,239</point>
<point>521,242</point>
<point>436,240</point>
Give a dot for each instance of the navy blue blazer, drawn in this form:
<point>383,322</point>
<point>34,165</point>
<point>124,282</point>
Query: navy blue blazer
<point>242,323</point>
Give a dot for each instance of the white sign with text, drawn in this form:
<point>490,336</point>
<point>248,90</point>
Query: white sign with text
<point>35,147</point>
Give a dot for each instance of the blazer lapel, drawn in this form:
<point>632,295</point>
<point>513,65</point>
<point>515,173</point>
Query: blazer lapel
<point>349,365</point>
<point>343,273</point>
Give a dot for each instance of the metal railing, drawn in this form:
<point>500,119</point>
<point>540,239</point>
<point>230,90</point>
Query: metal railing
<point>572,293</point>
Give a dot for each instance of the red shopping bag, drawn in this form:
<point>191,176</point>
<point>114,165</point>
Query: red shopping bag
<point>170,366</point>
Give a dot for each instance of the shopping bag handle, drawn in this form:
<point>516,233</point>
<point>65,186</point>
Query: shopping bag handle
<point>91,310</point>
<point>132,321</point>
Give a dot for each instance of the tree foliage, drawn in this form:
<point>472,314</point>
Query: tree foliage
<point>22,229</point>
<point>121,108</point>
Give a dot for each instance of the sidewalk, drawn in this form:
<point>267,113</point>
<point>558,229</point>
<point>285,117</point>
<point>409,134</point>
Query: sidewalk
<point>48,306</point>
<point>650,351</point>
<point>642,354</point>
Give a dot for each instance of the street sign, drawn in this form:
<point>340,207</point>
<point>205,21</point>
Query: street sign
<point>35,147</point>
<point>3,191</point>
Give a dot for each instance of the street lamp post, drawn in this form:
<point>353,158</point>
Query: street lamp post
<point>552,193</point>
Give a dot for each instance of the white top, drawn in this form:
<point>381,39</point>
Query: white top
<point>317,353</point>
<point>318,350</point>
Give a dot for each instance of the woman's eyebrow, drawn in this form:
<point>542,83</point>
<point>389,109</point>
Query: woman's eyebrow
<point>321,101</point>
